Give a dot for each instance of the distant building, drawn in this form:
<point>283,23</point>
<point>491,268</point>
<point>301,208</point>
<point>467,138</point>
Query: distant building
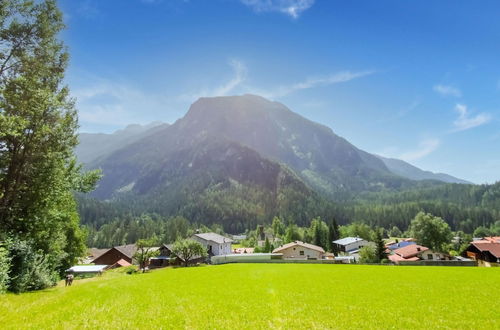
<point>485,251</point>
<point>216,244</point>
<point>163,258</point>
<point>300,251</point>
<point>351,244</point>
<point>415,252</point>
<point>115,254</point>
<point>399,245</point>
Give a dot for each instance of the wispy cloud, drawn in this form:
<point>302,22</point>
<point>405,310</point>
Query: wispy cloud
<point>425,147</point>
<point>292,8</point>
<point>446,90</point>
<point>239,76</point>
<point>465,121</point>
<point>313,82</point>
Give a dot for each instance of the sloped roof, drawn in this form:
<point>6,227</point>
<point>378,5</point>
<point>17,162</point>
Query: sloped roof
<point>396,258</point>
<point>299,243</point>
<point>400,245</point>
<point>410,250</point>
<point>128,250</point>
<point>348,240</point>
<point>95,253</point>
<point>493,248</point>
<point>219,239</point>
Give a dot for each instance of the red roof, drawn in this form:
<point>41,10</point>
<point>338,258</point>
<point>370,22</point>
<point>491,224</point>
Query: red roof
<point>493,248</point>
<point>396,258</point>
<point>410,251</point>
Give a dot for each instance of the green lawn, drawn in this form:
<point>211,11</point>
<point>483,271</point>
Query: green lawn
<point>268,296</point>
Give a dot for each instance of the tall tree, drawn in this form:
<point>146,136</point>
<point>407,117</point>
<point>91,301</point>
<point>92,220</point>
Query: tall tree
<point>430,231</point>
<point>188,249</point>
<point>379,245</point>
<point>333,235</point>
<point>38,123</point>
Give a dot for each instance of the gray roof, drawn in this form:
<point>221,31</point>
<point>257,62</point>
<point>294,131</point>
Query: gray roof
<point>219,239</point>
<point>129,250</point>
<point>348,240</point>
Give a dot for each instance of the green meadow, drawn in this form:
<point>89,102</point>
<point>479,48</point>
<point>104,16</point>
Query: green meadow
<point>267,296</point>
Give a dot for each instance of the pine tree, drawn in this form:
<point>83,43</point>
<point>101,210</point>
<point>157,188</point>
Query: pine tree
<point>379,245</point>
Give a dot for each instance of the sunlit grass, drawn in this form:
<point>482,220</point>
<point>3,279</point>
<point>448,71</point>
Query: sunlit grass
<point>268,296</point>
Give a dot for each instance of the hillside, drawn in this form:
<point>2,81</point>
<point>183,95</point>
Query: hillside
<point>232,297</point>
<point>409,171</point>
<point>95,145</point>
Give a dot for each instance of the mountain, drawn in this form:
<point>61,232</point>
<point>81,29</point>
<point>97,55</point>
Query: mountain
<point>238,161</point>
<point>95,145</point>
<point>409,171</point>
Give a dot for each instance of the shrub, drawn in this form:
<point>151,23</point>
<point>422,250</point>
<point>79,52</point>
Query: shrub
<point>4,269</point>
<point>130,270</point>
<point>367,254</point>
<point>385,261</point>
<point>29,269</point>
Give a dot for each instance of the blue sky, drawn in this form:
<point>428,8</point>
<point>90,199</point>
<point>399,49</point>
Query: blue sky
<point>416,80</point>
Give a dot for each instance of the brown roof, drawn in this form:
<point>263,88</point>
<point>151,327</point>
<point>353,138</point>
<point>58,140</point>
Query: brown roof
<point>128,250</point>
<point>410,250</point>
<point>299,243</point>
<point>493,248</point>
<point>95,253</point>
<point>396,258</point>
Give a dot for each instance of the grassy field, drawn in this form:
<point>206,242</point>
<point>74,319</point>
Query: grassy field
<point>267,296</point>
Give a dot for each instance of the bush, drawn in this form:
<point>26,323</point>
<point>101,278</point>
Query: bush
<point>367,254</point>
<point>385,261</point>
<point>4,269</point>
<point>29,269</point>
<point>130,270</point>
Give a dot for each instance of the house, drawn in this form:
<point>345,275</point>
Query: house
<point>216,244</point>
<point>300,251</point>
<point>163,258</point>
<point>395,246</point>
<point>115,254</point>
<point>243,250</point>
<point>486,251</point>
<point>350,244</point>
<point>415,252</point>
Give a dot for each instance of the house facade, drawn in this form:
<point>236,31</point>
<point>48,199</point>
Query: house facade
<point>300,251</point>
<point>415,252</point>
<point>485,252</point>
<point>216,244</point>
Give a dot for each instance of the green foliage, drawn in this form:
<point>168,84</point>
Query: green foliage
<point>368,254</point>
<point>29,269</point>
<point>333,235</point>
<point>38,125</point>
<point>188,249</point>
<point>357,229</point>
<point>430,231</point>
<point>4,268</point>
<point>144,252</point>
<point>379,245</point>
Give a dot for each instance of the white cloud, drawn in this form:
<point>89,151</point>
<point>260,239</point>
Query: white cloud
<point>465,121</point>
<point>425,147</point>
<point>236,84</point>
<point>239,76</point>
<point>292,8</point>
<point>312,82</point>
<point>446,90</point>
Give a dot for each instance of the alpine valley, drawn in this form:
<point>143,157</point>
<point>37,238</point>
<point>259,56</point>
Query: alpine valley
<point>238,161</point>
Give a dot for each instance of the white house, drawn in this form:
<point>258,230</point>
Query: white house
<point>216,244</point>
<point>350,244</point>
<point>300,251</point>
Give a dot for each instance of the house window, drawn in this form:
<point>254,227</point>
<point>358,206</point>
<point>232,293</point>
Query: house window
<point>429,256</point>
<point>301,253</point>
